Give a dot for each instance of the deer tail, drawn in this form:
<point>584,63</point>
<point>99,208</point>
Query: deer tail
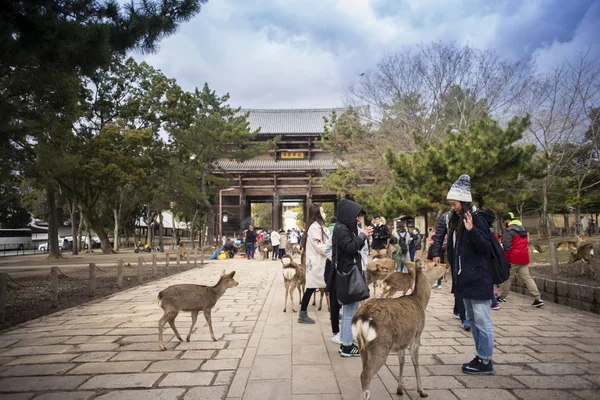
<point>289,273</point>
<point>363,330</point>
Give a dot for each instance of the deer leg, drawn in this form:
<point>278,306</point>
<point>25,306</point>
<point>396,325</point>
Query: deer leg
<point>292,290</point>
<point>209,322</point>
<point>172,323</point>
<point>167,316</point>
<point>194,319</point>
<point>320,299</point>
<point>400,389</point>
<point>375,360</point>
<point>414,355</point>
<point>328,303</point>
<point>287,289</point>
<point>315,298</point>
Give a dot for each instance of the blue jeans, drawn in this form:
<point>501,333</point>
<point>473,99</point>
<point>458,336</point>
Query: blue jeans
<point>250,250</point>
<point>348,311</point>
<point>478,316</point>
<point>412,254</point>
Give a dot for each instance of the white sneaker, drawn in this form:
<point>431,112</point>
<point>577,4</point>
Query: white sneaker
<point>336,338</point>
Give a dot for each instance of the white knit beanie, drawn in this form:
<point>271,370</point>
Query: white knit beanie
<point>461,190</point>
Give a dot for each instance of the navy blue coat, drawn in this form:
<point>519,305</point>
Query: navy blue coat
<point>470,272</point>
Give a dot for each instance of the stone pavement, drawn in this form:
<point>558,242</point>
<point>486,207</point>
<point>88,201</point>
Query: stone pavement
<point>107,349</point>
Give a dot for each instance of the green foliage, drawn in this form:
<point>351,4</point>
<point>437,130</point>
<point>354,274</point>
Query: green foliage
<point>489,154</point>
<point>262,215</point>
<point>12,213</point>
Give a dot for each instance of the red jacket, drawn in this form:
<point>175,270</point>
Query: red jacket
<point>516,243</point>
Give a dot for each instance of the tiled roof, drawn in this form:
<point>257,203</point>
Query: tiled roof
<point>269,164</point>
<point>300,121</point>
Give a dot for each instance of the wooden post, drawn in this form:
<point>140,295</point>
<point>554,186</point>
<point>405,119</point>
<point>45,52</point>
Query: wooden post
<point>92,282</point>
<point>178,260</point>
<point>596,259</point>
<point>167,259</point>
<point>154,265</point>
<point>3,296</point>
<point>187,258</point>
<point>196,258</point>
<point>201,257</point>
<point>54,286</point>
<point>554,257</point>
<point>120,274</point>
<point>140,269</point>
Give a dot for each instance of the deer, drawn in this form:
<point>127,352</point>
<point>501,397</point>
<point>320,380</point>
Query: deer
<point>193,298</point>
<point>571,245</point>
<point>294,277</point>
<point>584,253</point>
<point>394,324</point>
<point>400,281</point>
<point>537,249</point>
<point>323,294</point>
<point>377,270</point>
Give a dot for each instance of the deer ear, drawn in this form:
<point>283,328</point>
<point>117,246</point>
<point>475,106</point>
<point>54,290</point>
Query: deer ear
<point>232,274</point>
<point>420,264</point>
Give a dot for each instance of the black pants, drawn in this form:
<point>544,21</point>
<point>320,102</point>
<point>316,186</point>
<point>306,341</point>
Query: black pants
<point>334,311</point>
<point>459,306</point>
<point>275,252</point>
<point>281,253</point>
<point>306,299</point>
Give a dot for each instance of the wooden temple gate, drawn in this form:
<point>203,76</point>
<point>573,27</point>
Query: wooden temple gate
<point>289,173</point>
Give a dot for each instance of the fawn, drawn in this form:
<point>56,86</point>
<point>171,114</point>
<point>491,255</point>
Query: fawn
<point>294,277</point>
<point>377,270</point>
<point>194,298</point>
<point>585,253</point>
<point>399,281</point>
<point>384,325</point>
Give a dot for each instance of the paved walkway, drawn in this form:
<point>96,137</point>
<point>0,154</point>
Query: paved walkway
<point>108,349</point>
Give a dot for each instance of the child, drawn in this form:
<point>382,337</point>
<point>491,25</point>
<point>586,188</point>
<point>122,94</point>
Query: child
<point>395,253</point>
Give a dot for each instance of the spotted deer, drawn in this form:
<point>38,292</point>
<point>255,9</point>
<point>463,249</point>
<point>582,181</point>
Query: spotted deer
<point>377,270</point>
<point>194,298</point>
<point>394,324</point>
<point>400,282</point>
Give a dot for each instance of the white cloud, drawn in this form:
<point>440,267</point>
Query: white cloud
<point>291,54</point>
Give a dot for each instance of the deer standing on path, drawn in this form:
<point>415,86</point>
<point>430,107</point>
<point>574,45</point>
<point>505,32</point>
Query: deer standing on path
<point>194,298</point>
<point>377,270</point>
<point>384,325</point>
<point>294,277</point>
<point>400,281</point>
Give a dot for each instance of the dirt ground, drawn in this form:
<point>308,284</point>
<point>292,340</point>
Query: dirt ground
<point>29,281</point>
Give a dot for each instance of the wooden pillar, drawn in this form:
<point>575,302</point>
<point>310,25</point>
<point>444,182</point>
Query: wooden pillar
<point>140,269</point>
<point>553,257</point>
<point>92,280</point>
<point>3,296</point>
<point>154,269</point>
<point>120,274</point>
<point>54,286</point>
<point>596,259</point>
<point>276,208</point>
<point>167,259</point>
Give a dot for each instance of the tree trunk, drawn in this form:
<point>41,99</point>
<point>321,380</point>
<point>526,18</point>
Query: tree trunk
<point>148,225</point>
<point>52,221</point>
<point>116,230</point>
<point>160,231</point>
<point>544,224</point>
<point>192,228</point>
<point>96,224</point>
<point>79,230</point>
<point>88,229</point>
<point>73,216</point>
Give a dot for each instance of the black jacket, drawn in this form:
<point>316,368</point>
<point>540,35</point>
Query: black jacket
<point>470,273</point>
<point>346,241</point>
<point>415,243</point>
<point>250,236</point>
<point>441,229</point>
<point>381,234</point>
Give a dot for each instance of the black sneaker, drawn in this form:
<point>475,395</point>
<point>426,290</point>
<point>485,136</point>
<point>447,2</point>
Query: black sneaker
<point>501,299</point>
<point>472,362</point>
<point>478,367</point>
<point>349,351</point>
<point>538,303</point>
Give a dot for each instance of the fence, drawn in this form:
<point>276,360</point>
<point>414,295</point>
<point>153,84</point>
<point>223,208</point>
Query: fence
<point>95,276</point>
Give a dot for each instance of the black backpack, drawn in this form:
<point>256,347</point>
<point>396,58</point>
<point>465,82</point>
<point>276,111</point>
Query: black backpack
<point>402,243</point>
<point>497,263</point>
<point>266,239</point>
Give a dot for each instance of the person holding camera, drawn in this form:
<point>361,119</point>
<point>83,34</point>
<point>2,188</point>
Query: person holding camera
<point>381,234</point>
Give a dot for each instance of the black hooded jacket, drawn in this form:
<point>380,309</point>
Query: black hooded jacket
<point>346,241</point>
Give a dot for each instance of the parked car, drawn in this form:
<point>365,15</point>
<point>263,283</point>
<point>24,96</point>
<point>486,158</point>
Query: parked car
<point>43,246</point>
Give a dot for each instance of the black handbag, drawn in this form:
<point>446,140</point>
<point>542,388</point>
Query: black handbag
<point>351,286</point>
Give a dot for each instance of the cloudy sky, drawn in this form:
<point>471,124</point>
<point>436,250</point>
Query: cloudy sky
<point>305,54</point>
